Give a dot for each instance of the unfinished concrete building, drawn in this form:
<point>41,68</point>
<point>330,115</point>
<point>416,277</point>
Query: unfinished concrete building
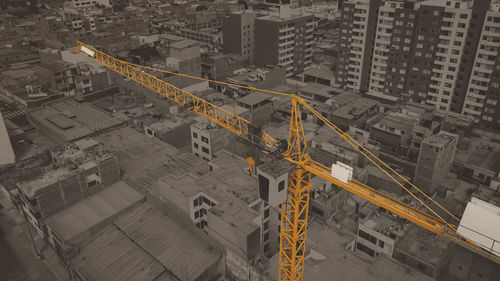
<point>172,131</point>
<point>435,158</point>
<point>62,187</point>
<point>378,231</point>
<point>225,203</point>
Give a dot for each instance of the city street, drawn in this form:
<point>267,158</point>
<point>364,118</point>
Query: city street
<point>17,259</point>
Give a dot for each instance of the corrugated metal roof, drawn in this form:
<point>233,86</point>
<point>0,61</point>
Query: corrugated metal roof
<point>112,256</point>
<point>86,215</point>
<point>178,249</point>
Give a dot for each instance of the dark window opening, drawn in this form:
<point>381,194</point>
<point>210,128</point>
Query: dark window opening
<point>281,186</point>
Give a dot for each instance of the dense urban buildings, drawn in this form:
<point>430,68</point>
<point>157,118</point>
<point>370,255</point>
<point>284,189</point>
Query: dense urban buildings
<point>433,52</point>
<point>180,162</point>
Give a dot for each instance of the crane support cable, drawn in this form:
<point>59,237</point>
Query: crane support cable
<point>220,116</point>
<point>213,81</point>
<point>357,146</point>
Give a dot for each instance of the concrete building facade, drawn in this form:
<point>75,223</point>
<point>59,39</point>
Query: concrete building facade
<point>436,155</point>
<point>476,103</point>
<point>357,31</point>
<point>435,52</point>
<point>238,34</point>
<point>286,42</point>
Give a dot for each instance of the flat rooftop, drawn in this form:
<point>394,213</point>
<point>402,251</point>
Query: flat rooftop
<point>441,139</point>
<point>64,127</point>
<point>181,82</point>
<point>376,172</point>
<point>86,114</point>
<point>86,216</point>
<point>355,108</point>
<point>327,256</point>
<point>229,184</point>
<point>165,125</point>
<point>320,73</point>
<point>179,250</point>
<point>145,159</point>
<point>282,130</point>
<point>319,89</point>
<point>31,188</point>
<point>423,244</point>
<point>481,154</point>
<point>171,37</point>
<point>254,98</point>
<point>276,18</point>
<point>120,260</point>
<point>397,122</point>
<point>386,224</point>
<point>184,44</point>
<point>344,98</point>
<point>277,168</point>
<point>72,120</point>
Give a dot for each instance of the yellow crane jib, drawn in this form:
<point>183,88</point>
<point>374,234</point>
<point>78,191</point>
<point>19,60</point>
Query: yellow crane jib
<point>220,116</point>
<point>294,210</point>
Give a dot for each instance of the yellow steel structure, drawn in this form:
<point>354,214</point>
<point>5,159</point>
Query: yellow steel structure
<point>222,117</point>
<point>294,210</point>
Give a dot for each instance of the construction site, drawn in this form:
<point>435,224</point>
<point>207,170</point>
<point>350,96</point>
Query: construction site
<point>165,158</point>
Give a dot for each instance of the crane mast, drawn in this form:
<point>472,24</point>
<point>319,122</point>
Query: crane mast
<point>294,210</point>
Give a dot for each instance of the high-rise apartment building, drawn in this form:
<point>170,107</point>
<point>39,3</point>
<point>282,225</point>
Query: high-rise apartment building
<point>238,34</point>
<point>392,48</point>
<point>357,31</point>
<point>435,52</point>
<point>481,99</point>
<point>418,48</point>
<point>449,51</point>
<point>286,42</point>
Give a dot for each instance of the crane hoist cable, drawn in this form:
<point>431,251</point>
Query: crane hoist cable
<point>337,130</point>
<point>361,150</point>
<point>292,235</point>
<point>213,81</point>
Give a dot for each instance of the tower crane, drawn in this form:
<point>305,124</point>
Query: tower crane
<point>294,211</point>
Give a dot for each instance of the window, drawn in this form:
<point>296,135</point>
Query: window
<point>206,150</point>
<point>381,243</point>
<point>365,249</point>
<point>367,236</point>
<point>196,145</point>
<point>196,202</point>
<point>281,186</point>
<point>263,188</point>
<point>206,201</point>
<point>266,213</point>
<point>195,135</point>
<point>204,139</point>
